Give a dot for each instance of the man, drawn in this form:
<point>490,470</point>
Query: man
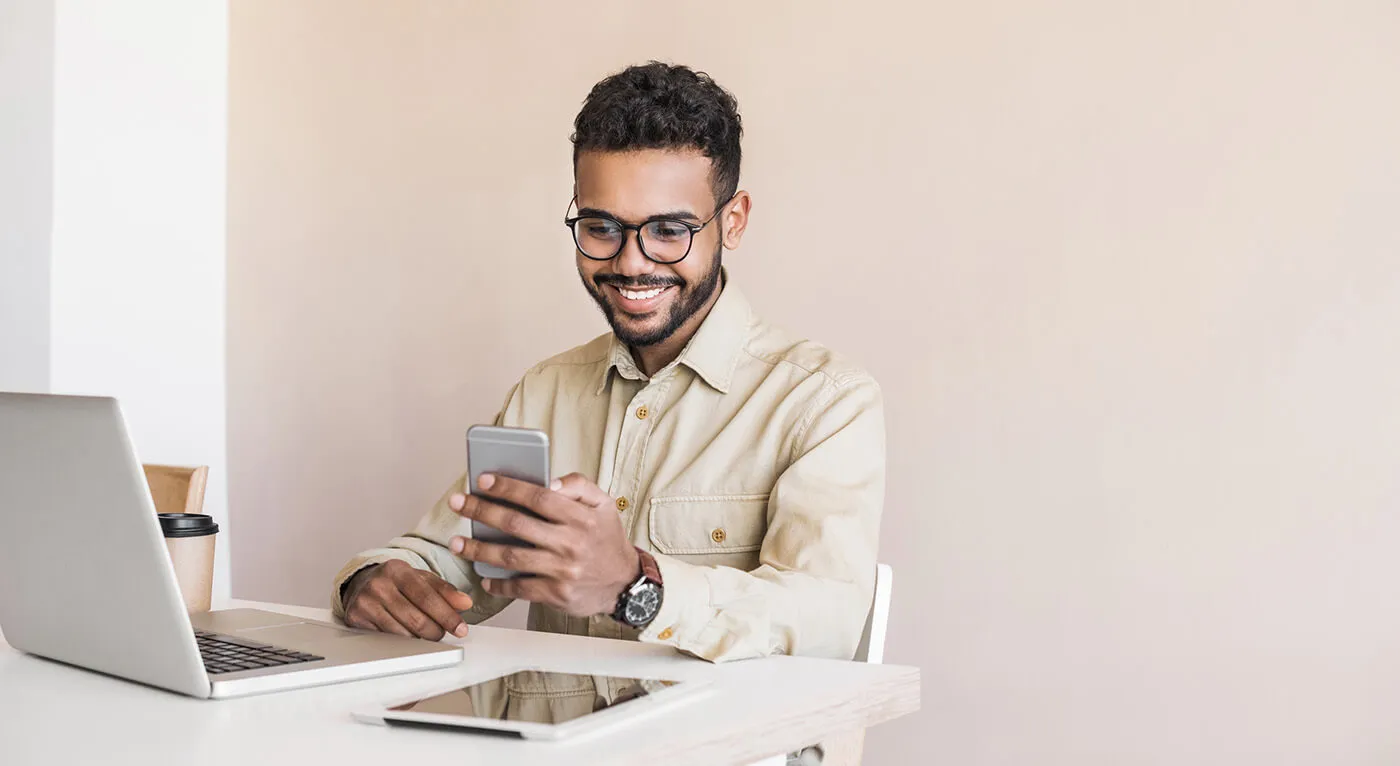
<point>714,465</point>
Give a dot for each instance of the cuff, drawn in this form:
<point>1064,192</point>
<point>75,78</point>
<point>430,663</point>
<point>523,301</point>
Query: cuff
<point>685,607</point>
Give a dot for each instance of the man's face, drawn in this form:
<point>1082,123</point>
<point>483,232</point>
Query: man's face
<point>647,302</point>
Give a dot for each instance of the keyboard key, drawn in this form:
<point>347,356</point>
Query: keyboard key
<point>243,642</point>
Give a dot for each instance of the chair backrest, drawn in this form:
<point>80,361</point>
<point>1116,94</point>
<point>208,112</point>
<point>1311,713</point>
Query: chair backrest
<point>177,489</point>
<point>872,639</point>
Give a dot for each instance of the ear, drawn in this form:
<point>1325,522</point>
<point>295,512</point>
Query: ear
<point>735,220</point>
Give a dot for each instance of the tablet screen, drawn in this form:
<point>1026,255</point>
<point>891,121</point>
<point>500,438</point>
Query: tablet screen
<point>538,696</point>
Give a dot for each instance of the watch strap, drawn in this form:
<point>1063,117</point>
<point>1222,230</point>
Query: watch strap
<point>650,570</point>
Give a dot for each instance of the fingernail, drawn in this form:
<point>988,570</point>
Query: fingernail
<point>486,481</point>
<point>556,485</point>
<point>460,631</point>
<point>456,544</point>
<point>457,501</point>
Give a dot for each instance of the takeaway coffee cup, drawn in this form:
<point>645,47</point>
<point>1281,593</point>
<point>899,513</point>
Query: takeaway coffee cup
<point>190,539</point>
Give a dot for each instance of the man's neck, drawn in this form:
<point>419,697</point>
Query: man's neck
<point>651,359</point>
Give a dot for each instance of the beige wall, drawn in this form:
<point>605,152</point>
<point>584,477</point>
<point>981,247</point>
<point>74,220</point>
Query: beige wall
<point>1129,273</point>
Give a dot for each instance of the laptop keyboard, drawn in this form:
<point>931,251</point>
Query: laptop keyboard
<point>229,654</point>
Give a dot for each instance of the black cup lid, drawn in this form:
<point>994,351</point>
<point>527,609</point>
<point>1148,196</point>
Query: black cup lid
<point>187,524</point>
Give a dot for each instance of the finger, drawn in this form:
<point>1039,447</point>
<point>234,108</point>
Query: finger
<point>421,593</point>
<point>382,621</point>
<point>355,619</point>
<point>515,523</point>
<point>578,487</point>
<point>535,589</point>
<point>541,500</point>
<point>516,558</point>
<point>411,617</point>
<point>454,598</point>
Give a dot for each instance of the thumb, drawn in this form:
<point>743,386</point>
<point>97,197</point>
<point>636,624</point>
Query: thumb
<point>578,487</point>
<point>454,598</point>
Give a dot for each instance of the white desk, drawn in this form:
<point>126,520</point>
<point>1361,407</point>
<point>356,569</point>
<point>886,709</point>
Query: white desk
<point>54,714</point>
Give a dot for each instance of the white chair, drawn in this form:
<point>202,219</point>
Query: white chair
<point>872,650</point>
<point>872,639</point>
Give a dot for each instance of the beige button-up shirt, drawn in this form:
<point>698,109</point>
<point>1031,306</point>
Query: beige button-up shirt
<point>752,467</point>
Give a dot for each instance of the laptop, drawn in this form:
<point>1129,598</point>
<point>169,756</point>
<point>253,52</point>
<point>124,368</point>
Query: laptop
<point>85,578</point>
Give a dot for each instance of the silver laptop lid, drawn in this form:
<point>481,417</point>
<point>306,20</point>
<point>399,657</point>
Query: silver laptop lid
<point>84,573</point>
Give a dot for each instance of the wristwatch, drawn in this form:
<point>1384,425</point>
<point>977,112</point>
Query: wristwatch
<point>640,602</point>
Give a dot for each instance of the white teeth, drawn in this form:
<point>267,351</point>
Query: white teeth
<point>635,295</point>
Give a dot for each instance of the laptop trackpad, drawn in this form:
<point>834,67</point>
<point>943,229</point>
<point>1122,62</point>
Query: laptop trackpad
<point>298,636</point>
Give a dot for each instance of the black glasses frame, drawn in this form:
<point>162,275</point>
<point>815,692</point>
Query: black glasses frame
<point>693,228</point>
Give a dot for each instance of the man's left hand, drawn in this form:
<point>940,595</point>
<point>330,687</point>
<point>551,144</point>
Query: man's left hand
<point>583,559</point>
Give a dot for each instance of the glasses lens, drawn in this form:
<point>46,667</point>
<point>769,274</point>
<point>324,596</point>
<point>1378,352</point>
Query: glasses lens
<point>666,241</point>
<point>598,237</point>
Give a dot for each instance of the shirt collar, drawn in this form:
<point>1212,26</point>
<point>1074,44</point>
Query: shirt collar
<point>713,352</point>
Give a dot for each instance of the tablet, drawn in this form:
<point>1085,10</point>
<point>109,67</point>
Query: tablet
<point>533,703</point>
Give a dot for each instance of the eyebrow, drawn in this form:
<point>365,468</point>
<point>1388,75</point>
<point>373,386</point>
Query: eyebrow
<point>673,215</point>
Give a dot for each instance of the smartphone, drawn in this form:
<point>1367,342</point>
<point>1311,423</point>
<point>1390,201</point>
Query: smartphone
<point>518,453</point>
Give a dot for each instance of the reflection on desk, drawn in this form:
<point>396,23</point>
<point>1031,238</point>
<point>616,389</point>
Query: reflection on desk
<point>537,696</point>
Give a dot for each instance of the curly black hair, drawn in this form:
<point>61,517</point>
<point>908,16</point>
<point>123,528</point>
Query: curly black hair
<point>664,106</point>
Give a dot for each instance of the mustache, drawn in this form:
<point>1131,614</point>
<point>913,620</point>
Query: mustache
<point>636,283</point>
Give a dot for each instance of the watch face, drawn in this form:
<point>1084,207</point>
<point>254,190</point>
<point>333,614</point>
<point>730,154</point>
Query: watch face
<point>643,605</point>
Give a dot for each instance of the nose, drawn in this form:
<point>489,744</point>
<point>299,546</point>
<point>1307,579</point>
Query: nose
<point>631,262</point>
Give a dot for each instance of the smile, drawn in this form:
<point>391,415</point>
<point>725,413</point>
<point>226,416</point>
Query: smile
<point>639,302</point>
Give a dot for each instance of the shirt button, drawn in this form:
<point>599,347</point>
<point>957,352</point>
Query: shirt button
<point>666,634</point>
<point>718,535</point>
<point>622,503</point>
<point>642,412</point>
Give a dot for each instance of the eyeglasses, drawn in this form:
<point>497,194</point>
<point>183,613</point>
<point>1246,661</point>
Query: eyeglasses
<point>663,240</point>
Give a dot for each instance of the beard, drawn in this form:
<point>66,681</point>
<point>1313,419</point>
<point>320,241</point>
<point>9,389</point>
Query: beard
<point>692,298</point>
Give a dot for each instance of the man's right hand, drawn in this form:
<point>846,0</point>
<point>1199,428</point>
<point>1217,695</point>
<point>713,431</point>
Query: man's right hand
<point>393,597</point>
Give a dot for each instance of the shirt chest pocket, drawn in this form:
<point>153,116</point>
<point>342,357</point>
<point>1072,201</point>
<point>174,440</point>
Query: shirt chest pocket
<point>715,530</point>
